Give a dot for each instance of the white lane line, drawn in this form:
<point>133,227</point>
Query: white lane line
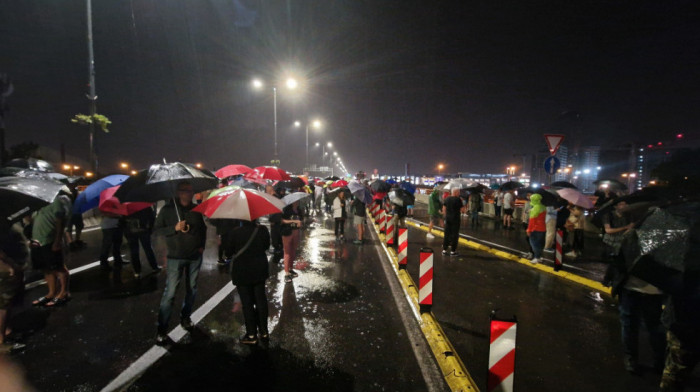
<point>74,271</point>
<point>136,369</point>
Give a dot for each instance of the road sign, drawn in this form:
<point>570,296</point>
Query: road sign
<point>551,165</point>
<point>553,142</point>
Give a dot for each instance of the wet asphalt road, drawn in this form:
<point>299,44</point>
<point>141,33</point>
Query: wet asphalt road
<point>568,336</point>
<point>336,327</point>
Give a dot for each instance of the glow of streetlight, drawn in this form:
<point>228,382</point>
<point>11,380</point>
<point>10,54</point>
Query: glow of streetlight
<point>198,165</point>
<point>297,124</point>
<point>257,84</point>
<point>316,124</point>
<point>124,165</point>
<point>89,174</point>
<point>66,167</point>
<point>134,172</point>
<point>291,83</point>
<point>329,144</point>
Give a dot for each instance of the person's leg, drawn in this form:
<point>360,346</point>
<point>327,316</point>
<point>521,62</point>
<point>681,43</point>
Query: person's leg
<point>537,243</point>
<point>652,307</point>
<point>63,277</point>
<point>446,236</point>
<point>261,307</point>
<point>287,241</point>
<point>248,306</point>
<point>117,239</point>
<point>336,227</point>
<point>133,241</point>
<point>342,227</point>
<point>455,237</point>
<point>191,275</point>
<point>551,232</point>
<point>174,269</point>
<point>107,237</point>
<point>145,239</point>
<point>79,226</point>
<point>629,323</point>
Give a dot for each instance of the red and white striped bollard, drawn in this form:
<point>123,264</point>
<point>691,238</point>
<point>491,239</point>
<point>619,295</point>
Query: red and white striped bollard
<point>501,354</point>
<point>425,280</point>
<point>558,254</point>
<point>403,248</point>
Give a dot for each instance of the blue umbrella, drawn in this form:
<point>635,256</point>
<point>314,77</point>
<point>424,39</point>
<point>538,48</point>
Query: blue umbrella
<point>391,181</point>
<point>90,197</point>
<point>407,186</point>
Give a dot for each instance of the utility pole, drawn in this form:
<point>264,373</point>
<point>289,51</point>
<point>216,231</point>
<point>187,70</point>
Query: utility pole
<point>91,96</point>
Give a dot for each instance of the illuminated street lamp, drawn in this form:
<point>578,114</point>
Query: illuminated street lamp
<point>316,124</point>
<point>291,84</point>
<point>124,165</point>
<point>440,167</point>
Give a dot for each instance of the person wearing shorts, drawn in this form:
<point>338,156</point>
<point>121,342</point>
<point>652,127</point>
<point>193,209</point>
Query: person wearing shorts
<point>508,207</point>
<point>359,213</point>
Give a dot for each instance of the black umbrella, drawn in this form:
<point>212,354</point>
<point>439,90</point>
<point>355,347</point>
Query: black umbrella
<point>637,203</point>
<point>379,186</point>
<point>563,184</point>
<point>665,245</point>
<point>21,196</point>
<point>335,192</point>
<point>610,184</point>
<point>160,182</point>
<point>332,178</point>
<point>506,186</point>
<point>401,197</point>
<point>294,182</point>
<point>479,188</point>
<point>31,163</point>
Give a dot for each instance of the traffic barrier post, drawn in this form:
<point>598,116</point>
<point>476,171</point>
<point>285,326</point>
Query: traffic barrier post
<point>501,354</point>
<point>389,232</point>
<point>558,252</point>
<point>382,221</point>
<point>425,280</point>
<point>403,248</point>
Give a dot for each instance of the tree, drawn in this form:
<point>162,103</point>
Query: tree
<point>97,119</point>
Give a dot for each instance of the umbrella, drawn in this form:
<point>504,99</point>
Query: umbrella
<point>391,181</point>
<point>379,186</point>
<point>32,164</point>
<point>563,184</point>
<point>296,196</point>
<point>335,192</point>
<point>575,197</point>
<point>332,178</point>
<point>664,245</point>
<point>110,204</point>
<point>506,186</point>
<point>292,183</point>
<point>549,198</point>
<point>232,170</point>
<point>637,203</point>
<point>401,197</point>
<point>405,185</point>
<point>339,184</point>
<point>244,204</point>
<point>494,186</point>
<point>273,173</point>
<point>229,188</point>
<point>90,197</point>
<point>479,188</point>
<point>610,184</point>
<point>159,182</point>
<point>363,195</point>
<point>20,196</point>
<point>355,186</point>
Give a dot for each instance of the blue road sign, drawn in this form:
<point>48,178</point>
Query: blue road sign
<point>551,165</point>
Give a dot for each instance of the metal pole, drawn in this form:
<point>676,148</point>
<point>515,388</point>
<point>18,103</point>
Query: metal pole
<point>307,147</point>
<point>91,95</point>
<point>274,106</point>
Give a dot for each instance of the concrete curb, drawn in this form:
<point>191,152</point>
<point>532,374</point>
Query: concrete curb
<point>509,256</point>
<point>452,367</point>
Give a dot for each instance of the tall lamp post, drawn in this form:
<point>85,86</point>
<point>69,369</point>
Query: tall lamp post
<point>316,124</point>
<point>291,84</point>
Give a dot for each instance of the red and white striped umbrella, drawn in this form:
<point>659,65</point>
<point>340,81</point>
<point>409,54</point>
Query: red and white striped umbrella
<point>244,204</point>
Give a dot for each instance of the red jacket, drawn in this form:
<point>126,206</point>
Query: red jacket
<point>537,223</point>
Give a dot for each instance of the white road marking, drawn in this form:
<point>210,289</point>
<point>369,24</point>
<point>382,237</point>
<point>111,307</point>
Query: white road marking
<point>74,271</point>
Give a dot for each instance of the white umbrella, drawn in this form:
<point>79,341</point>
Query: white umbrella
<point>296,196</point>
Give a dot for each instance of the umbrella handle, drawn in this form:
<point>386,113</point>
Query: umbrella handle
<point>186,229</point>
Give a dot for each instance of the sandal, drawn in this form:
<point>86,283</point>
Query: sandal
<point>42,301</point>
<point>57,302</point>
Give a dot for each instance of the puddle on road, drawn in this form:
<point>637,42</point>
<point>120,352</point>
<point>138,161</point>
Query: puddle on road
<point>336,292</point>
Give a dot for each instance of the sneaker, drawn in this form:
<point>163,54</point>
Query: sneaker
<point>429,235</point>
<point>444,252</point>
<point>549,250</point>
<point>534,260</point>
<point>342,238</point>
<point>454,253</point>
<point>293,273</point>
<point>528,255</point>
<point>137,276</point>
<point>163,340</point>
<point>357,242</point>
<point>265,337</point>
<point>288,279</point>
<point>571,254</point>
<point>248,339</point>
<point>221,262</point>
<point>157,269</point>
<point>187,324</point>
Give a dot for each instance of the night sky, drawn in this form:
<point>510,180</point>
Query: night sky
<point>465,83</point>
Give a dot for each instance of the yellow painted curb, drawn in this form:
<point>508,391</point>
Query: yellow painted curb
<point>509,256</point>
<point>452,367</point>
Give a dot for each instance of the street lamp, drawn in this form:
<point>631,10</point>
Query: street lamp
<point>314,124</point>
<point>440,167</point>
<point>124,165</point>
<point>291,84</point>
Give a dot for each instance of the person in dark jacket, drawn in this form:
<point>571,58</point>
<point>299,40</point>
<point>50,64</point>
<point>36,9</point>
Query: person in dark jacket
<point>185,234</point>
<point>275,229</point>
<point>138,228</point>
<point>249,270</point>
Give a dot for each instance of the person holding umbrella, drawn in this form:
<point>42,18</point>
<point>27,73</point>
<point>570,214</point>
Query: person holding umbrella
<point>185,233</point>
<point>291,223</point>
<point>339,215</point>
